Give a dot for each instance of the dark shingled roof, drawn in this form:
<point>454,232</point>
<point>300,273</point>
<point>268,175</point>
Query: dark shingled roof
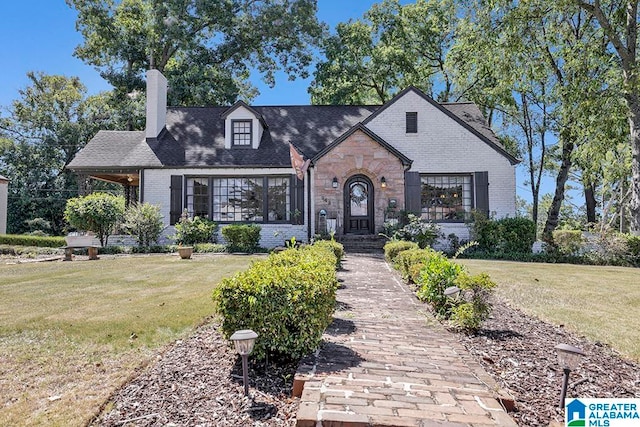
<point>115,149</point>
<point>194,137</point>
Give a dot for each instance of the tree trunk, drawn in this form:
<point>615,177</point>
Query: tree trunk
<point>634,138</point>
<point>590,201</point>
<point>561,180</point>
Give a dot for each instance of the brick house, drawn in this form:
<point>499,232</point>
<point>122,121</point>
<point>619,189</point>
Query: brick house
<point>367,163</point>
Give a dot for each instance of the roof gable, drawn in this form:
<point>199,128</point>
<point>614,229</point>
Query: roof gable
<point>466,114</point>
<point>360,127</point>
<point>242,104</point>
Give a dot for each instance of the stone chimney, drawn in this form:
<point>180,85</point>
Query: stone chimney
<point>156,103</point>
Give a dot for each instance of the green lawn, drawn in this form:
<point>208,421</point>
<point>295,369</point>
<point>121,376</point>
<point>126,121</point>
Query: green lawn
<point>72,332</point>
<point>602,303</point>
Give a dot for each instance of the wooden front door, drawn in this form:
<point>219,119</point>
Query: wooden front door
<point>358,202</point>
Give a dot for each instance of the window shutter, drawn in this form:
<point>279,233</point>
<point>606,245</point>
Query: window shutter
<point>481,182</point>
<point>412,122</point>
<point>412,192</point>
<point>176,199</point>
<point>297,200</point>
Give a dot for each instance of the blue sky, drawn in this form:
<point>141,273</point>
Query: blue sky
<point>40,35</point>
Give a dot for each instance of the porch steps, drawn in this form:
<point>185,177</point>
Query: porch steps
<point>356,243</point>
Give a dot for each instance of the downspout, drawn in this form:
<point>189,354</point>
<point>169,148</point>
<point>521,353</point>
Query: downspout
<point>309,205</point>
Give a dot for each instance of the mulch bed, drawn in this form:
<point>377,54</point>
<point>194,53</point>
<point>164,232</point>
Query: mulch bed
<point>198,381</point>
<point>518,351</point>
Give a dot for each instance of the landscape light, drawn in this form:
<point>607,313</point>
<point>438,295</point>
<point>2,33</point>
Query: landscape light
<point>244,340</point>
<point>569,358</point>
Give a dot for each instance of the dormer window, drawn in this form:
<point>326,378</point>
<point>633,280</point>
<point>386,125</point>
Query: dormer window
<point>241,133</point>
<point>412,122</point>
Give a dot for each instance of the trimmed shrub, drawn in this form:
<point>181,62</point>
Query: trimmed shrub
<point>335,247</point>
<point>394,247</point>
<point>568,242</point>
<point>211,248</point>
<point>508,235</point>
<point>190,231</point>
<point>437,275</point>
<point>633,248</point>
<point>97,212</point>
<point>242,237</point>
<point>29,240</point>
<point>406,259</point>
<point>288,299</point>
<point>143,221</point>
<point>469,314</point>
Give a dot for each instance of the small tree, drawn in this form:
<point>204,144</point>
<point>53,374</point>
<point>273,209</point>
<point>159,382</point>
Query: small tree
<point>143,221</point>
<point>97,212</point>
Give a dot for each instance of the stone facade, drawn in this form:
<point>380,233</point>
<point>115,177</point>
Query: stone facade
<point>358,154</point>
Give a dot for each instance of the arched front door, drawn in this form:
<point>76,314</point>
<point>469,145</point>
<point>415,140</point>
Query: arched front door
<point>358,205</point>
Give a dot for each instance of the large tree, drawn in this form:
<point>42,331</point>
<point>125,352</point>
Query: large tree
<point>40,135</point>
<point>618,20</point>
<point>391,47</point>
<point>205,48</point>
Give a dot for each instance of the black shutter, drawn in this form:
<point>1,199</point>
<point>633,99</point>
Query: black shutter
<point>175,209</point>
<point>481,181</point>
<point>412,192</point>
<point>412,122</point>
<point>297,200</point>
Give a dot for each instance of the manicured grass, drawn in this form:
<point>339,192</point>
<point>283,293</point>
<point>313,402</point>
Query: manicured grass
<point>72,332</point>
<point>602,303</point>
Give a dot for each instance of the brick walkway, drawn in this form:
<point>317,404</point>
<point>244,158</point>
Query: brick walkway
<point>387,362</point>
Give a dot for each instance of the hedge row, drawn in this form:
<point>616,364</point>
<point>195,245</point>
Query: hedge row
<point>37,241</point>
<point>433,273</point>
<point>288,299</point>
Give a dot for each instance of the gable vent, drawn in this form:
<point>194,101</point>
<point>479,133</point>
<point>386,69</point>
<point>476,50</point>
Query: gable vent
<point>412,122</point>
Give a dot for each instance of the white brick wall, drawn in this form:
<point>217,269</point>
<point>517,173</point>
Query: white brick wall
<point>156,191</point>
<point>444,146</point>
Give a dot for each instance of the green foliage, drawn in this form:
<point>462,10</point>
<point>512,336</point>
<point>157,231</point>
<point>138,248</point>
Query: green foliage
<point>392,47</point>
<point>97,212</point>
<point>143,221</point>
<point>508,235</point>
<point>213,248</point>
<point>568,242</point>
<point>474,306</point>
<point>393,247</point>
<point>242,237</point>
<point>28,240</point>
<point>437,275</point>
<point>190,231</point>
<point>40,134</point>
<point>335,247</point>
<point>416,230</point>
<point>288,299</point>
<point>434,273</point>
<point>633,248</point>
<point>407,258</point>
<point>205,48</point>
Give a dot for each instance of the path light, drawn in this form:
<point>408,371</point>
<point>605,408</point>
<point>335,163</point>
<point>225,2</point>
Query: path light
<point>244,341</point>
<point>569,358</point>
<point>452,292</point>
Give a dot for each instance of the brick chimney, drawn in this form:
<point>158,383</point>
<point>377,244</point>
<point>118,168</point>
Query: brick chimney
<point>156,103</point>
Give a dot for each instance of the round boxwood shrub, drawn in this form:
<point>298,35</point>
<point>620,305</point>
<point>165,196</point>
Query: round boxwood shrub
<point>288,299</point>
<point>394,247</point>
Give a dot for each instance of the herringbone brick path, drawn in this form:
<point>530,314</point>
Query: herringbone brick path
<point>388,362</point>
